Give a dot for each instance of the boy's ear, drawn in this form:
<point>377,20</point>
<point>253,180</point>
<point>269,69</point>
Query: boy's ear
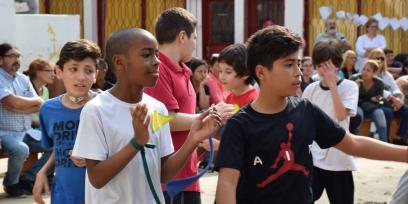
<point>58,72</point>
<point>118,62</point>
<point>182,36</point>
<point>260,72</point>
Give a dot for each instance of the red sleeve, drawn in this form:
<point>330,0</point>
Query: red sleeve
<point>163,90</point>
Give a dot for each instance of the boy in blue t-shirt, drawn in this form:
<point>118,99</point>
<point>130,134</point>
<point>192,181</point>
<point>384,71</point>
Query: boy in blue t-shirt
<point>59,118</point>
<point>264,155</point>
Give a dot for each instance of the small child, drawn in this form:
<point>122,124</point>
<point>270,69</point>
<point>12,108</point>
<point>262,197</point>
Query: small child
<point>264,155</point>
<point>59,119</point>
<point>126,161</point>
<point>338,98</point>
<point>199,79</point>
<point>234,75</point>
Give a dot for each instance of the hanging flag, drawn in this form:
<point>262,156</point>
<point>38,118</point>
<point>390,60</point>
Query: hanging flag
<point>159,120</point>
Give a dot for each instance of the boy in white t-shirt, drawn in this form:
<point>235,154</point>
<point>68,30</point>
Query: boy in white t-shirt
<point>114,134</point>
<point>338,99</point>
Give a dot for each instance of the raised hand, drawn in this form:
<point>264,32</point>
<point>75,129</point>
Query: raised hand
<point>206,124</point>
<point>329,74</point>
<point>225,111</point>
<point>140,122</point>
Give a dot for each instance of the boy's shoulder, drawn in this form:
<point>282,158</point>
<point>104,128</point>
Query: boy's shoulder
<point>294,103</point>
<point>51,103</point>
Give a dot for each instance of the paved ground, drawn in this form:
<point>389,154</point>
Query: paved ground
<point>374,183</point>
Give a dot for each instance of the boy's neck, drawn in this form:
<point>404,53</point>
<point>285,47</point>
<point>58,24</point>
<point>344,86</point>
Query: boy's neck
<point>172,52</point>
<point>241,90</point>
<point>125,93</point>
<point>268,103</point>
<point>74,105</point>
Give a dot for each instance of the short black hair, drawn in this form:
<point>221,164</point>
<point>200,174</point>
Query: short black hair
<point>78,50</point>
<point>235,56</point>
<point>270,44</point>
<point>171,22</point>
<point>194,63</point>
<point>328,50</point>
<point>120,42</point>
<point>4,48</point>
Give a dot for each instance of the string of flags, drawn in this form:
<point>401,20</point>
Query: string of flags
<point>360,20</point>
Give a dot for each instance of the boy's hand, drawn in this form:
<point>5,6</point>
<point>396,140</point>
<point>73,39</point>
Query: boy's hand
<point>206,124</point>
<point>329,74</point>
<point>41,184</point>
<point>140,123</point>
<point>78,161</point>
<point>225,111</point>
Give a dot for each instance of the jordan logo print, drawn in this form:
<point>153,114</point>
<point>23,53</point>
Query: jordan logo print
<point>287,155</point>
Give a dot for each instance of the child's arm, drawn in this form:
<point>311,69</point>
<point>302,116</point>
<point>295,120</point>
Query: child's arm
<point>330,78</point>
<point>372,149</point>
<point>183,121</point>
<point>227,185</point>
<point>101,172</point>
<point>41,180</point>
<point>202,128</point>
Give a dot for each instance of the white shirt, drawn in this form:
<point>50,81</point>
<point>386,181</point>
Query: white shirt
<point>332,159</point>
<point>105,128</point>
<point>363,42</point>
<point>389,81</point>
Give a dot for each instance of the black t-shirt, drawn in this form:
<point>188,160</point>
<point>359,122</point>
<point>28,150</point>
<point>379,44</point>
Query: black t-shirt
<point>272,151</point>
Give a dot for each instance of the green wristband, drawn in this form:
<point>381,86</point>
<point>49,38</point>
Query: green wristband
<point>136,145</point>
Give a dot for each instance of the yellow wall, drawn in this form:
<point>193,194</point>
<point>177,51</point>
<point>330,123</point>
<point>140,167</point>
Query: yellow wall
<point>155,7</point>
<point>396,40</point>
<point>122,14</point>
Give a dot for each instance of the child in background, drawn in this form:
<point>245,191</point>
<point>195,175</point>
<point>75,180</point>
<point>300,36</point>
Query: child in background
<point>59,119</point>
<point>199,79</point>
<point>338,98</point>
<point>218,93</point>
<point>234,75</point>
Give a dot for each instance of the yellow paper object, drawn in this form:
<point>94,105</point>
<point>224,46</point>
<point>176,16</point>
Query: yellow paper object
<point>159,120</point>
<point>236,108</point>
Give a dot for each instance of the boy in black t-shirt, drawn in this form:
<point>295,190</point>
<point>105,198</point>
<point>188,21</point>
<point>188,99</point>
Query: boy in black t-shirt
<point>264,155</point>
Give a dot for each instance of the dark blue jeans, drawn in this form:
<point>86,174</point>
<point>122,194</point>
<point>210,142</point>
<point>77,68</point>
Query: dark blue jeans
<point>35,146</point>
<point>402,113</point>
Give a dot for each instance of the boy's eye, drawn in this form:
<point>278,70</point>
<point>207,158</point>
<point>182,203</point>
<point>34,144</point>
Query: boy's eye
<point>89,71</point>
<point>72,69</point>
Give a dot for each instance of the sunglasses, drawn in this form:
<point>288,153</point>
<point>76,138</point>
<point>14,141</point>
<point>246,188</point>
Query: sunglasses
<point>380,58</point>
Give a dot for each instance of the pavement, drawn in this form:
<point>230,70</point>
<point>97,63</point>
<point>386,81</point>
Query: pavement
<point>374,183</point>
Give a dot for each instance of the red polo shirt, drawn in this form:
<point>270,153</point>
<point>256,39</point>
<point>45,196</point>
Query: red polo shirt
<point>174,89</point>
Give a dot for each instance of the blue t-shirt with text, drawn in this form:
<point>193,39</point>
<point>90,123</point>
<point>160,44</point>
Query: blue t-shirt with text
<point>59,126</point>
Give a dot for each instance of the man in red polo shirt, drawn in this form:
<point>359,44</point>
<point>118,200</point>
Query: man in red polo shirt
<point>175,32</point>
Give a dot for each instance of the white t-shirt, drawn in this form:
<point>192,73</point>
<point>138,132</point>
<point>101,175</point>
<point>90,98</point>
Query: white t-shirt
<point>333,159</point>
<point>363,41</point>
<point>105,128</point>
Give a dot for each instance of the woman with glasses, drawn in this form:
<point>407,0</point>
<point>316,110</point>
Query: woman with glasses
<point>367,42</point>
<point>392,93</point>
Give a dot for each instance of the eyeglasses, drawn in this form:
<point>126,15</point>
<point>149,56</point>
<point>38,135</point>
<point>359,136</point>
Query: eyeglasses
<point>13,56</point>
<point>380,58</point>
